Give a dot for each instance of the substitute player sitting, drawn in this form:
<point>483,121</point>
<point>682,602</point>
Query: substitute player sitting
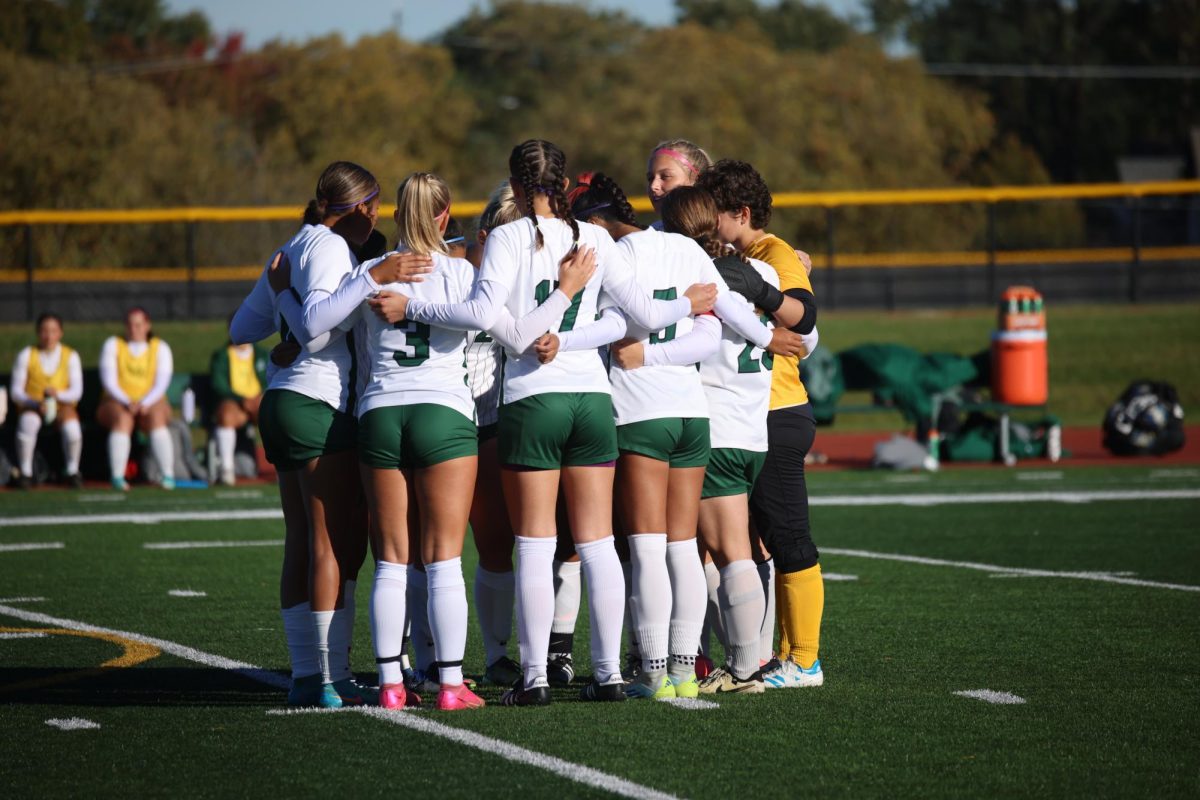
<point>238,375</point>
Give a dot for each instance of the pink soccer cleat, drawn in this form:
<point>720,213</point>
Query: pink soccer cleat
<point>457,698</point>
<point>393,695</point>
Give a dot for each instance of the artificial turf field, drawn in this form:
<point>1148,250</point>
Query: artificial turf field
<point>1084,604</point>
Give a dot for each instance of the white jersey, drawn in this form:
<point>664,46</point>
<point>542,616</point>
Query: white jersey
<point>737,382</point>
<point>321,260</point>
<point>511,258</point>
<point>485,361</point>
<point>666,264</point>
<point>412,362</point>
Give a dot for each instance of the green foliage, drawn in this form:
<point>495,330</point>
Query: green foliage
<point>789,24</point>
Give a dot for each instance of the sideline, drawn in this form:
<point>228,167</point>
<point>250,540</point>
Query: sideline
<point>506,750</point>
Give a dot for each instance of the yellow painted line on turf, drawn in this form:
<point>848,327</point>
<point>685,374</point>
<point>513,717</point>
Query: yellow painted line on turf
<point>575,772</point>
<point>132,654</point>
<point>1102,577</point>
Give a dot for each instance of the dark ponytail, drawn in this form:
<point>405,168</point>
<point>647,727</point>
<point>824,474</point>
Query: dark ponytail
<point>602,197</point>
<point>341,187</point>
<point>541,168</point>
<point>691,211</point>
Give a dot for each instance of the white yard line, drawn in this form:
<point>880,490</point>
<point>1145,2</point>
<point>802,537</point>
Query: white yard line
<point>201,544</point>
<point>837,576</point>
<point>24,635</point>
<point>186,593</point>
<point>73,724</point>
<point>1039,476</point>
<point>18,547</point>
<point>1102,577</point>
<point>5,600</point>
<point>994,697</point>
<point>511,752</point>
<point>690,703</point>
<point>898,499</point>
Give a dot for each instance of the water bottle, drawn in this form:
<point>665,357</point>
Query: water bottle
<point>49,409</point>
<point>3,404</point>
<point>187,405</point>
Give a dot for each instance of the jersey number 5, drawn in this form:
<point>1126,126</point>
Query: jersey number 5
<point>545,289</point>
<point>416,343</point>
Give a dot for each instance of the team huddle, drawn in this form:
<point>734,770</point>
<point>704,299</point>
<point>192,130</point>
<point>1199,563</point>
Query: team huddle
<point>575,363</point>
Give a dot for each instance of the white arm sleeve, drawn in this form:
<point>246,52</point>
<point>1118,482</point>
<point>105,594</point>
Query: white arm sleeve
<point>74,389</point>
<point>323,312</point>
<point>620,282</point>
<point>164,367</point>
<point>293,314</point>
<point>108,371</point>
<point>478,312</point>
<point>810,341</point>
<point>519,335</point>
<point>691,348</point>
<point>734,313</point>
<point>255,318</point>
<point>609,328</point>
<point>20,375</point>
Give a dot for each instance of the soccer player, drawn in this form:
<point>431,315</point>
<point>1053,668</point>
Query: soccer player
<point>135,371</point>
<point>46,384</point>
<point>779,502</point>
<point>238,373</point>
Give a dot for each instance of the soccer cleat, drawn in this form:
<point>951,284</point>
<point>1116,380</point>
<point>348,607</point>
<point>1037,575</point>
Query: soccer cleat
<point>74,481</point>
<point>393,696</point>
<point>457,698</point>
<point>704,666</point>
<point>790,675</point>
<point>602,692</point>
<point>421,683</point>
<point>502,672</point>
<point>722,681</point>
<point>329,697</point>
<point>120,485</point>
<point>536,695</point>
<point>353,694</point>
<point>168,483</point>
<point>650,685</point>
<point>632,668</point>
<point>560,670</point>
<point>305,691</point>
<point>228,478</point>
<point>685,687</point>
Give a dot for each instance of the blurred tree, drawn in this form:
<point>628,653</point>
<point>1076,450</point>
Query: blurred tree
<point>47,29</point>
<point>1078,126</point>
<point>790,24</point>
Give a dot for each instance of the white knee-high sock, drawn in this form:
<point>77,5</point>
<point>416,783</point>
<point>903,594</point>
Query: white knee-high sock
<point>494,607</point>
<point>712,612</point>
<point>567,590</point>
<point>535,603</point>
<point>72,445</point>
<point>341,633</point>
<point>627,620</point>
<point>164,451</point>
<point>301,639</point>
<point>650,598</point>
<point>689,599</point>
<point>743,606</point>
<point>606,598</point>
<point>321,620</point>
<point>448,618</point>
<point>419,635</point>
<point>388,602</point>
<point>226,441</point>
<point>766,644</point>
<point>27,435</point>
<point>118,453</point>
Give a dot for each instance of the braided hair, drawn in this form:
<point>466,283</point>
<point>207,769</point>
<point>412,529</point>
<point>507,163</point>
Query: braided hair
<point>541,168</point>
<point>691,211</point>
<point>602,197</point>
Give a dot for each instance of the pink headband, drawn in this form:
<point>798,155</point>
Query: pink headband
<point>678,156</point>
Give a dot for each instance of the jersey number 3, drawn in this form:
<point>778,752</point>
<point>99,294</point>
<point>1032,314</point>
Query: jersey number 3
<point>416,343</point>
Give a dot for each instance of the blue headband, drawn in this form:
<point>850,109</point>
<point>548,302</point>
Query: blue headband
<point>345,206</point>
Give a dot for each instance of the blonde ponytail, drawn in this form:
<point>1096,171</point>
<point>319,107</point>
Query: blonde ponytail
<point>421,199</point>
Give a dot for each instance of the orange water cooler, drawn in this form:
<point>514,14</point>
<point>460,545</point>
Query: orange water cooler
<point>1020,367</point>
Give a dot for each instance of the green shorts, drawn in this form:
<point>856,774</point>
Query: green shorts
<point>558,429</point>
<point>296,429</point>
<point>680,441</point>
<point>414,437</point>
<point>731,472</point>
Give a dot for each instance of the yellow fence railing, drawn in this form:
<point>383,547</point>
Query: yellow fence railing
<point>830,202</point>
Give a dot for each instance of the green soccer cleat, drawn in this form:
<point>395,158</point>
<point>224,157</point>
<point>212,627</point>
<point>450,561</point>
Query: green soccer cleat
<point>685,687</point>
<point>305,691</point>
<point>650,685</point>
<point>353,693</point>
<point>329,697</point>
